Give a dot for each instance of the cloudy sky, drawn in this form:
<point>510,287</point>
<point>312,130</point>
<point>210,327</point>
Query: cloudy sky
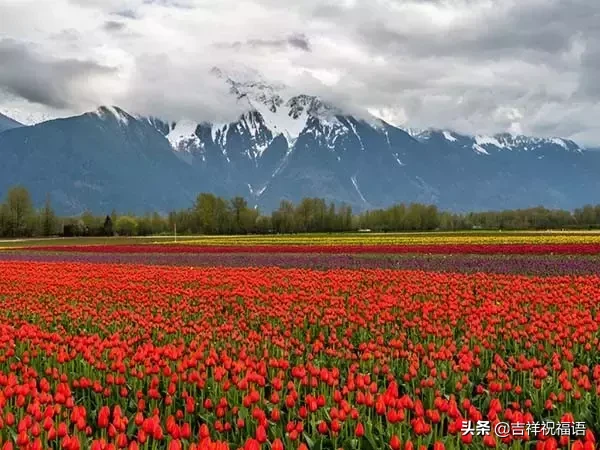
<point>475,66</point>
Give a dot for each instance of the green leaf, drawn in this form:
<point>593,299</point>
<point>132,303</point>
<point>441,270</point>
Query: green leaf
<point>243,413</point>
<point>309,441</point>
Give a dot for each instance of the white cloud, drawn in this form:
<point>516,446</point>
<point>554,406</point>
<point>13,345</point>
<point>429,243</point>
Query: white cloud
<point>477,66</point>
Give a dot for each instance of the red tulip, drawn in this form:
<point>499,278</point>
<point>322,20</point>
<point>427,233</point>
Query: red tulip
<point>395,442</point>
<point>359,431</point>
<point>261,434</point>
<point>252,444</point>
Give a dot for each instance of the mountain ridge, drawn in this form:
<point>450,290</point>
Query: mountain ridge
<point>7,123</point>
<point>287,146</point>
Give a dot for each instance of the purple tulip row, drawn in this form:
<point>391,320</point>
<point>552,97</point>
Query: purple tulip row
<point>513,264</point>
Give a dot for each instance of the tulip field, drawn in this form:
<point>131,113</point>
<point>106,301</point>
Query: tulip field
<point>404,343</point>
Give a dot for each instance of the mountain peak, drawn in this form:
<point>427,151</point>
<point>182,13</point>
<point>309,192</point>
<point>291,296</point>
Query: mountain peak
<point>314,107</point>
<point>510,141</point>
<point>282,110</point>
<point>249,85</point>
<point>484,143</point>
<point>238,74</point>
<point>113,112</point>
<point>7,123</point>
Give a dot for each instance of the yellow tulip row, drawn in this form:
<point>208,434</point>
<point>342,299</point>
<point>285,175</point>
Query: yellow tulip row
<point>398,239</point>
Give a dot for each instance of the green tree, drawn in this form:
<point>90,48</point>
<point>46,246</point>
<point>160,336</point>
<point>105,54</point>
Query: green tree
<point>126,226</point>
<point>144,225</point>
<point>114,216</point>
<point>20,210</point>
<point>213,214</point>
<point>346,218</point>
<point>4,220</point>
<point>586,216</point>
<point>205,209</point>
<point>92,225</point>
<point>239,207</point>
<point>263,224</point>
<point>48,218</point>
<point>282,219</point>
<point>249,220</point>
<point>159,224</point>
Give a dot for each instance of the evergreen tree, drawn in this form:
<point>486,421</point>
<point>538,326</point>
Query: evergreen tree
<point>48,218</point>
<point>108,226</point>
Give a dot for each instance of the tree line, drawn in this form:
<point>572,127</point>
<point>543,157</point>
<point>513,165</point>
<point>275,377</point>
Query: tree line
<point>211,214</point>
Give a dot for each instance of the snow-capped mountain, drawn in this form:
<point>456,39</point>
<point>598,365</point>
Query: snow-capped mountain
<point>276,129</point>
<point>287,146</point>
<point>271,112</point>
<point>484,144</point>
<point>28,118</point>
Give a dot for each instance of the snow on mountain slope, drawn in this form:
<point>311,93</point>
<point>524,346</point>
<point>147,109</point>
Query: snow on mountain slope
<point>355,184</point>
<point>417,133</point>
<point>254,125</point>
<point>449,136</point>
<point>479,149</point>
<point>272,111</point>
<point>484,144</point>
<point>489,140</point>
<point>268,115</point>
<point>560,142</point>
<point>506,141</point>
<point>182,136</point>
<point>282,112</point>
<point>281,123</point>
<point>28,117</point>
<point>108,112</point>
<point>218,133</point>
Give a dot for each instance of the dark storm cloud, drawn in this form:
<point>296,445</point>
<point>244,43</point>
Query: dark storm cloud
<point>114,26</point>
<point>299,41</point>
<point>46,81</point>
<point>295,41</point>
